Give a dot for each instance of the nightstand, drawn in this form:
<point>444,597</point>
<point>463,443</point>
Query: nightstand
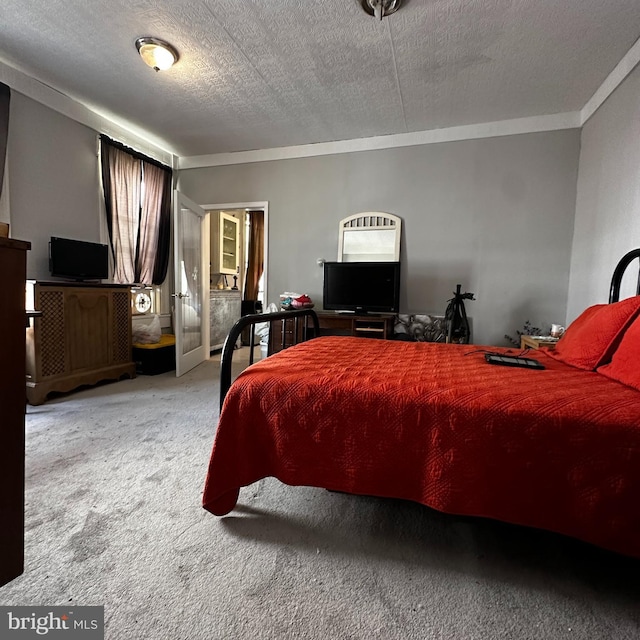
<point>535,342</point>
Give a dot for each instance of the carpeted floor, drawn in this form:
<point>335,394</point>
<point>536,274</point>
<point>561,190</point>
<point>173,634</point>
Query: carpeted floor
<point>113,518</point>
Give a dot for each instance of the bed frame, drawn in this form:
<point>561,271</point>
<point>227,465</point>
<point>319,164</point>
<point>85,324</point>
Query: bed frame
<point>301,331</point>
<point>616,280</point>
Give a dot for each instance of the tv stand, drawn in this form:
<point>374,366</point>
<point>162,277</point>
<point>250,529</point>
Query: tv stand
<point>361,313</point>
<point>358,325</point>
<point>82,337</point>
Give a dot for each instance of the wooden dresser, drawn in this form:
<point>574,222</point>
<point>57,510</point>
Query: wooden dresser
<point>83,336</point>
<point>13,267</point>
<point>283,334</point>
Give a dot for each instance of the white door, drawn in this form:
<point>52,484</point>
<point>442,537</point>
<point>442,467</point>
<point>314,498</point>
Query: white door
<point>191,281</point>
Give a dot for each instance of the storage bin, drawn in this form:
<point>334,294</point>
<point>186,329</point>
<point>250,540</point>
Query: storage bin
<point>155,358</point>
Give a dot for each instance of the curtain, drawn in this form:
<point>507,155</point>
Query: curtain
<point>149,229</point>
<point>255,262</point>
<point>123,209</point>
<point>137,193</point>
<point>164,231</point>
<point>5,98</point>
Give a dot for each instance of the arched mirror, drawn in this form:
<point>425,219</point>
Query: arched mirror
<point>373,236</point>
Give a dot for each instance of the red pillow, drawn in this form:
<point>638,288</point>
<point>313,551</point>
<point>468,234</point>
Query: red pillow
<point>593,336</point>
<point>624,366</point>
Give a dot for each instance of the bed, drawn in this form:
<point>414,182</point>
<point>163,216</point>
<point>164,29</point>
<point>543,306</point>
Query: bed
<point>557,449</point>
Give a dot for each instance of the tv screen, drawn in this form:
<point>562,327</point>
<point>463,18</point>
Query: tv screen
<point>78,260</point>
<point>362,287</point>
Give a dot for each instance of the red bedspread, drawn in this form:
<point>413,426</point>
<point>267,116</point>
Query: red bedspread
<point>557,449</point>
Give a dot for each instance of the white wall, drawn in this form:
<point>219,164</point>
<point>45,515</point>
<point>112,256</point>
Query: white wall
<point>495,215</point>
<point>607,222</point>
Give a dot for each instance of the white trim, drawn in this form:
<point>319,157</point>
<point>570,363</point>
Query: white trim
<point>612,81</point>
<point>264,205</point>
<point>534,124</point>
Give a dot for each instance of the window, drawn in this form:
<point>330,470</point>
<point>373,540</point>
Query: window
<point>137,193</point>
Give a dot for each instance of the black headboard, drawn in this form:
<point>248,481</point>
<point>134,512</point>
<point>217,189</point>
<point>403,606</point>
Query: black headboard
<point>614,292</point>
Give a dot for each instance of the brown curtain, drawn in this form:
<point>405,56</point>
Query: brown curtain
<point>153,178</point>
<point>255,262</point>
<point>123,210</point>
<point>164,231</point>
<point>137,193</point>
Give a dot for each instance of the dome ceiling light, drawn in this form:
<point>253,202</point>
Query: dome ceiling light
<point>158,54</point>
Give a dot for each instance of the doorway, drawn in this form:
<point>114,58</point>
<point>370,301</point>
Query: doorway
<point>236,291</point>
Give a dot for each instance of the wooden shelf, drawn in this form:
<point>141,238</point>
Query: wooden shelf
<point>362,326</point>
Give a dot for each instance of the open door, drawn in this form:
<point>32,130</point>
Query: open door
<point>191,274</point>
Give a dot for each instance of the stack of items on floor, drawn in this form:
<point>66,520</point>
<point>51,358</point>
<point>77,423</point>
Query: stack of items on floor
<point>154,352</point>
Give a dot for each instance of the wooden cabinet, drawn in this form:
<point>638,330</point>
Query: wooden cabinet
<point>13,267</point>
<point>285,333</point>
<point>225,244</point>
<point>225,307</point>
<point>535,342</point>
<point>83,337</point>
<point>364,326</point>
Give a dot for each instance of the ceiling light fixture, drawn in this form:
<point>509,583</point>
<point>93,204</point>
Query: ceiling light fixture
<point>158,54</point>
<point>380,8</point>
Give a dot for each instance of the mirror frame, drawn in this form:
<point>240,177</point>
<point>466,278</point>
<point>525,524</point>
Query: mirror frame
<point>367,222</point>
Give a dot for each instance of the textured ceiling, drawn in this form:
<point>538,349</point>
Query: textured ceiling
<point>258,74</point>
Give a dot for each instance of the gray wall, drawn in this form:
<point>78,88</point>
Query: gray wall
<point>53,180</point>
<point>495,215</point>
<point>608,198</point>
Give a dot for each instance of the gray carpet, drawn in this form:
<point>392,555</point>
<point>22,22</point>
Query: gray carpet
<point>113,516</point>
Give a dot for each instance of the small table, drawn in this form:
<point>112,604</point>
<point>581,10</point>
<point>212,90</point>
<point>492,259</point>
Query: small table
<point>535,342</point>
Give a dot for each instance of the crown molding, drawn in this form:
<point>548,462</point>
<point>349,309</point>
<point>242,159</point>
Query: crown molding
<point>434,136</point>
<point>89,116</point>
<point>612,82</point>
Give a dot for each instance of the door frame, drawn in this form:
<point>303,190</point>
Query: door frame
<point>264,205</point>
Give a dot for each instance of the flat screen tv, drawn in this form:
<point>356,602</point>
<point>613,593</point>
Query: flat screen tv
<point>361,287</point>
<point>78,260</point>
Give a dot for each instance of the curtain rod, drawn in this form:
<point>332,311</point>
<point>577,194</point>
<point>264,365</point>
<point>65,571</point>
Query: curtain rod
<point>134,153</point>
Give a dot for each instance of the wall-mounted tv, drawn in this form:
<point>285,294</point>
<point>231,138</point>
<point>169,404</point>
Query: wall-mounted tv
<point>78,260</point>
<point>361,287</point>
